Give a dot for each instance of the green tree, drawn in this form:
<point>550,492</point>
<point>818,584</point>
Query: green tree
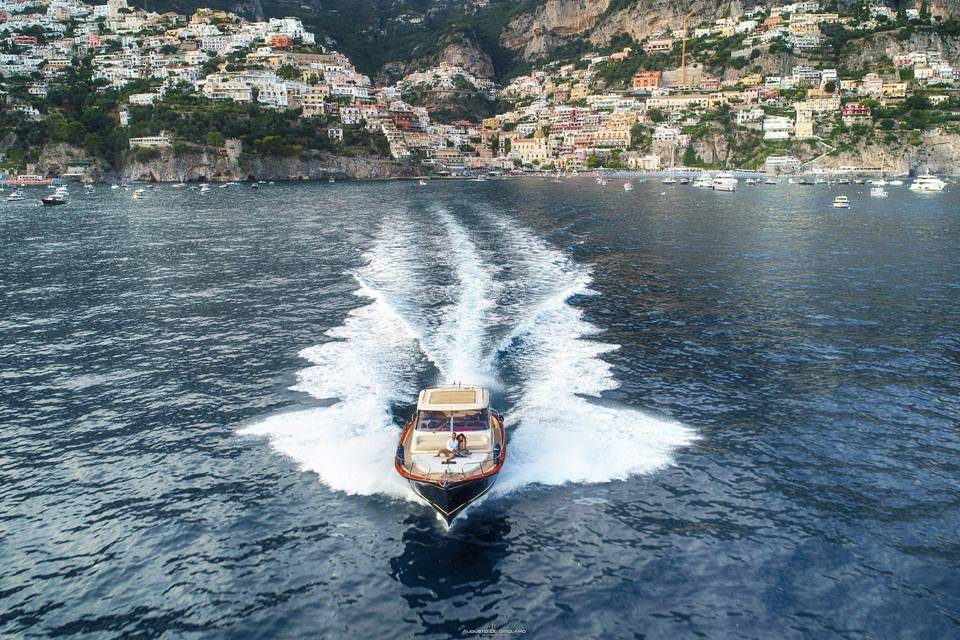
<point>656,115</point>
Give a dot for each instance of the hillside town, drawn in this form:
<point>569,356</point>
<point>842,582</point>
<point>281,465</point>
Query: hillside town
<point>564,116</point>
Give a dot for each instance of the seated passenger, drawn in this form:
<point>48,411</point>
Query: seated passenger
<point>462,445</point>
<point>450,450</point>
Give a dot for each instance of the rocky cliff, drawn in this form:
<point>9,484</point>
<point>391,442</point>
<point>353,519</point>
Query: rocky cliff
<point>886,44</point>
<point>211,166</point>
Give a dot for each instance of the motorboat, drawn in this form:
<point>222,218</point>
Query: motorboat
<point>422,182</point>
<point>628,186</point>
<point>878,192</point>
<point>724,182</point>
<point>843,181</point>
<point>16,195</point>
<point>204,188</point>
<point>751,181</point>
<point>807,182</point>
<point>821,181</point>
<point>895,183</point>
<point>770,181</point>
<point>880,182</point>
<point>331,180</point>
<point>927,182</point>
<point>685,181</point>
<point>841,202</point>
<point>53,200</point>
<point>180,186</point>
<point>114,186</point>
<point>254,186</point>
<point>859,181</point>
<point>704,181</point>
<point>450,484</point>
<point>669,180</point>
<point>139,193</point>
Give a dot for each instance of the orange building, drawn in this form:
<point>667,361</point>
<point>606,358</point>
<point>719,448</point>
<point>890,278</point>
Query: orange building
<point>645,80</point>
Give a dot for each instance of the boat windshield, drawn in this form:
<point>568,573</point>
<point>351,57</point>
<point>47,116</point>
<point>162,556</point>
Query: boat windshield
<point>462,420</point>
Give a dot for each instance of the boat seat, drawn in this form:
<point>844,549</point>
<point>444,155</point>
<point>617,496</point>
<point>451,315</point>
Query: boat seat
<point>431,442</point>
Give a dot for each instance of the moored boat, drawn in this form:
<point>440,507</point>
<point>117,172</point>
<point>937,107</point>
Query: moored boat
<point>53,200</point>
<point>841,202</point>
<point>628,186</point>
<point>724,182</point>
<point>450,483</point>
<point>878,192</point>
<point>927,182</point>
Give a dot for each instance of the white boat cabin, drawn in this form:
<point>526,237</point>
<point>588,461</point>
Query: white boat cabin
<point>442,412</point>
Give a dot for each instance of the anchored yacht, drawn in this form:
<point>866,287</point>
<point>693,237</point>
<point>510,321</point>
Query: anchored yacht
<point>927,182</point>
<point>704,181</point>
<point>724,182</point>
<point>449,484</point>
<point>841,202</point>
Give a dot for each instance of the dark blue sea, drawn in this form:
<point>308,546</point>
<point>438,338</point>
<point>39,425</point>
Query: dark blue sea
<point>730,415</point>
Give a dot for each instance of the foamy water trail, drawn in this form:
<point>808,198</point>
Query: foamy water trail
<point>463,328</point>
<point>443,303</point>
<point>562,431</point>
<point>369,363</point>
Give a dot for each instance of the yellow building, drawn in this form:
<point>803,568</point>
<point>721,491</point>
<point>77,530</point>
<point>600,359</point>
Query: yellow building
<point>529,150</point>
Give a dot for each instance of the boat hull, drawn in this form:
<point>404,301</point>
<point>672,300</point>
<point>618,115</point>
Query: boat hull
<point>450,499</point>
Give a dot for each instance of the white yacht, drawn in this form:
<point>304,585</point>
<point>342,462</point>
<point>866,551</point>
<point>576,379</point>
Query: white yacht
<point>139,193</point>
<point>724,182</point>
<point>878,192</point>
<point>628,186</point>
<point>422,182</point>
<point>841,202</point>
<point>895,183</point>
<point>751,181</point>
<point>204,188</point>
<point>704,181</point>
<point>770,180</point>
<point>16,196</point>
<point>879,182</point>
<point>927,182</point>
<point>669,180</point>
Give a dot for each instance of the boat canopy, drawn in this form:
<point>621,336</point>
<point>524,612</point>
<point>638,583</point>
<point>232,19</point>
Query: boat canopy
<point>453,399</point>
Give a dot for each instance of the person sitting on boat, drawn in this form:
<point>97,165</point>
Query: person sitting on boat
<point>450,449</point>
<point>462,445</point>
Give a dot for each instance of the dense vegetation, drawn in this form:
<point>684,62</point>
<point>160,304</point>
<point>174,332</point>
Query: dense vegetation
<point>80,111</point>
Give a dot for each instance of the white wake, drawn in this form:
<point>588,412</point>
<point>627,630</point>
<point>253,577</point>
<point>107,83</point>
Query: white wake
<point>440,301</point>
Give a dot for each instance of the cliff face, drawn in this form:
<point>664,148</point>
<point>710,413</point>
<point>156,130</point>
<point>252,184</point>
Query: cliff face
<point>215,167</point>
<point>548,26</point>
<point>938,152</point>
<point>868,50</point>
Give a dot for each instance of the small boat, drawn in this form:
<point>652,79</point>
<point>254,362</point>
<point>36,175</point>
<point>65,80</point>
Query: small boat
<point>53,200</point>
<point>703,181</point>
<point>859,181</point>
<point>331,180</point>
<point>878,192</point>
<point>841,202</point>
<point>685,181</point>
<point>927,182</point>
<point>139,193</point>
<point>272,182</point>
<point>821,181</point>
<point>204,188</point>
<point>628,186</point>
<point>450,484</point>
<point>878,183</point>
<point>114,186</point>
<point>807,182</point>
<point>669,180</point>
<point>724,182</point>
<point>843,181</point>
<point>751,181</point>
<point>180,186</point>
<point>88,187</point>
<point>16,195</point>
<point>770,181</point>
<point>422,182</point>
<point>254,186</point>
<point>895,183</point>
